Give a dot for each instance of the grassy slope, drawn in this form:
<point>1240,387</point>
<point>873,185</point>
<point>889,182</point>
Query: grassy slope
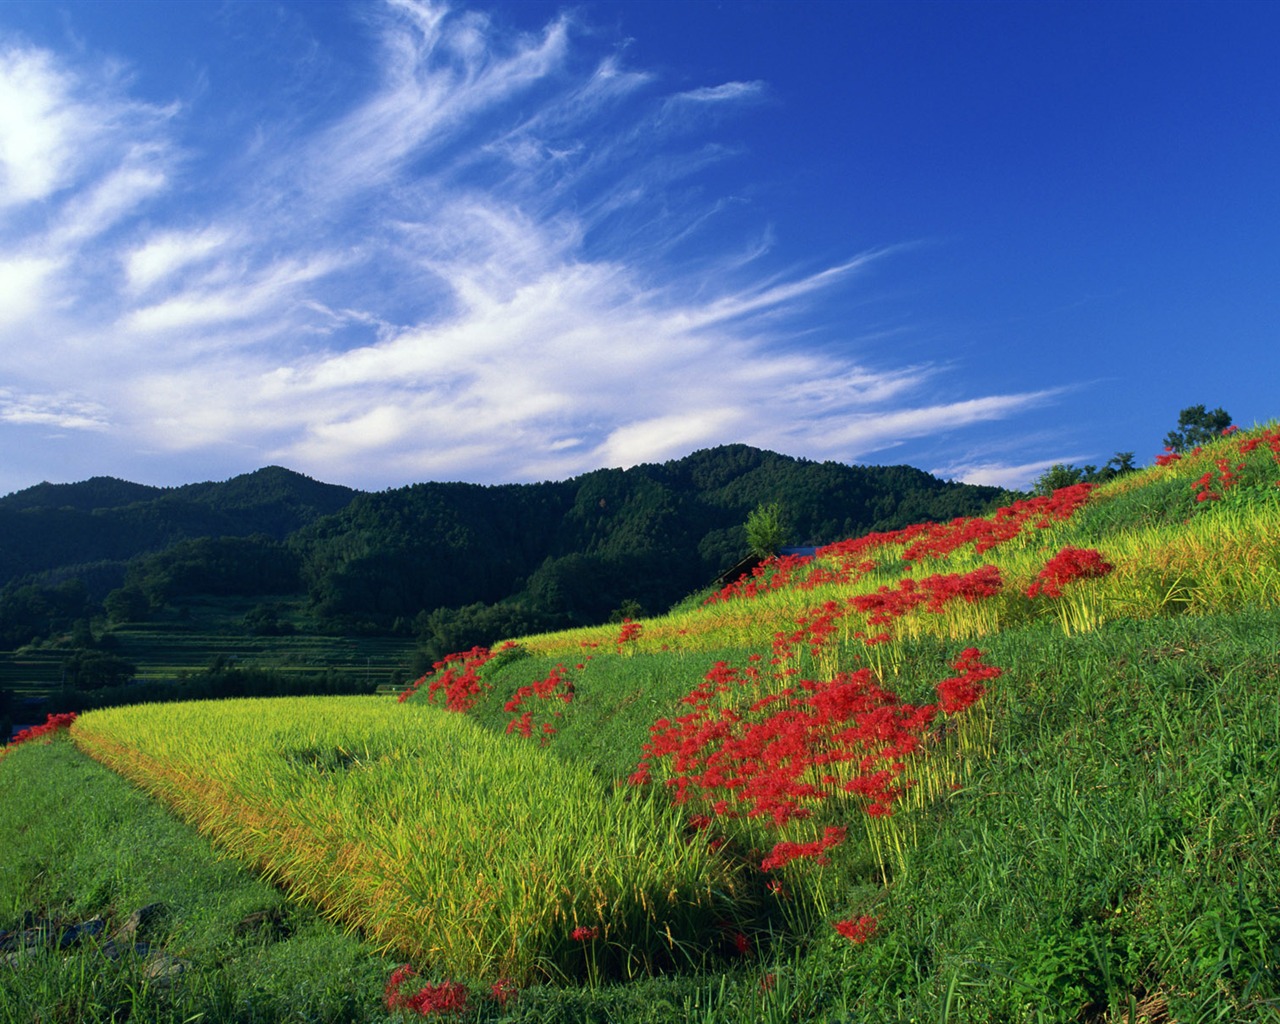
<point>1113,852</point>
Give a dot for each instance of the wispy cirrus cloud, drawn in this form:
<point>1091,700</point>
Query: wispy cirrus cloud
<point>485,265</point>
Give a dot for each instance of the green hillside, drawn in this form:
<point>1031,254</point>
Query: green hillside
<point>1018,767</point>
<point>87,568</point>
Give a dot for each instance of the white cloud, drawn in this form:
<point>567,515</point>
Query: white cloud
<point>22,287</point>
<point>61,411</point>
<point>167,252</point>
<point>38,127</point>
<point>728,92</point>
<point>465,273</point>
<point>665,437</point>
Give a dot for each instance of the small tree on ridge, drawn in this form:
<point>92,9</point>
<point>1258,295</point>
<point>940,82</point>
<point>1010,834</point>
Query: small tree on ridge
<point>1197,426</point>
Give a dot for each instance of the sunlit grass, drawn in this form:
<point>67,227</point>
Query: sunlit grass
<point>437,839</point>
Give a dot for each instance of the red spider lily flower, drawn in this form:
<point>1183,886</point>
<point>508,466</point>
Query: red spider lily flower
<point>584,934</point>
<point>51,724</point>
<point>784,853</point>
<point>857,931</point>
<point>555,686</point>
<point>444,997</point>
<point>456,676</point>
<point>630,633</point>
<point>768,982</point>
<point>962,691</point>
<point>503,990</point>
<point>1067,565</point>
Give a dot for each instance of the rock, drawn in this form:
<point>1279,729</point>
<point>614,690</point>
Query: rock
<point>139,922</point>
<point>162,970</point>
<point>72,936</point>
<point>268,923</point>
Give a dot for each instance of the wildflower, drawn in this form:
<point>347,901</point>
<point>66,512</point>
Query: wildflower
<point>1067,565</point>
<point>857,931</point>
<point>584,934</point>
<point>444,997</point>
<point>503,990</point>
<point>52,723</point>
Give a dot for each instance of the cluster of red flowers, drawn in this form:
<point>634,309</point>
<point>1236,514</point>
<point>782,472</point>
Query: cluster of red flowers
<point>1067,565</point>
<point>554,687</point>
<point>848,560</point>
<point>1269,437</point>
<point>51,724</point>
<point>585,934</point>
<point>857,930</point>
<point>1229,474</point>
<point>457,675</point>
<point>784,853</point>
<point>933,592</point>
<point>630,632</point>
<point>959,693</point>
<point>773,573</point>
<point>813,629</point>
<point>1170,456</point>
<point>503,990</point>
<point>800,746</point>
<point>443,997</point>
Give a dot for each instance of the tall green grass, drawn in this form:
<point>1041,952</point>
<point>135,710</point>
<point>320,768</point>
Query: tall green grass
<point>79,842</point>
<point>1102,843</point>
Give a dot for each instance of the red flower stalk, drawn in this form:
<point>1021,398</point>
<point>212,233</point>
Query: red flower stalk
<point>629,633</point>
<point>444,997</point>
<point>584,934</point>
<point>51,724</point>
<point>503,991</point>
<point>857,931</point>
<point>1067,565</point>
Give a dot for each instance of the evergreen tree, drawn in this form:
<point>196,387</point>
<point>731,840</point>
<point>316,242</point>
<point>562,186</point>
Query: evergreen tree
<point>1196,426</point>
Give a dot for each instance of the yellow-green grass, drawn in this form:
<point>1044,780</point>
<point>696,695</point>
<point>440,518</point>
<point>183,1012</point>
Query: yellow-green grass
<point>1178,556</point>
<point>1202,558</point>
<point>443,842</point>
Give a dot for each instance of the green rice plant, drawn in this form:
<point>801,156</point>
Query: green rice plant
<point>434,837</point>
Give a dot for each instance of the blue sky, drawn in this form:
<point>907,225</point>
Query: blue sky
<point>387,242</point>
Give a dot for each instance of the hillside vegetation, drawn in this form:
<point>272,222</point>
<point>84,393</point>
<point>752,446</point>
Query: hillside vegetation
<point>1019,767</point>
<point>104,581</point>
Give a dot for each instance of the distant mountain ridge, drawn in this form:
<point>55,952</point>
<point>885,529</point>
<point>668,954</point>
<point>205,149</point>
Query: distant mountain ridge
<point>104,519</point>
<point>260,487</point>
<point>525,555</point>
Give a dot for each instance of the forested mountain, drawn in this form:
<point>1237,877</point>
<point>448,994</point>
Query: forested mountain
<point>94,527</point>
<point>455,563</point>
<point>574,551</point>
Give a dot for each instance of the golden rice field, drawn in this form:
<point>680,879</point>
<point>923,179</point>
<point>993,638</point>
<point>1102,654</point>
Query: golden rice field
<point>436,838</point>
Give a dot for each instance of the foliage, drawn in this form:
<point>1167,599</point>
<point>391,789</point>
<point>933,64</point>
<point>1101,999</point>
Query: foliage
<point>245,566</point>
<point>1197,426</point>
<point>1091,838</point>
<point>94,670</point>
<point>29,611</point>
<point>766,531</point>
<point>1061,474</point>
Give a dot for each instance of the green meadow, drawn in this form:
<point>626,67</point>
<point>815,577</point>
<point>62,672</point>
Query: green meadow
<point>1020,768</point>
